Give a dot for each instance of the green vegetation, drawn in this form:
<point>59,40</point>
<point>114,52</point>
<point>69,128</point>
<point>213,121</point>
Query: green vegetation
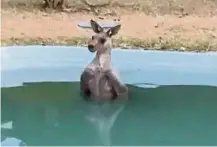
<point>155,44</point>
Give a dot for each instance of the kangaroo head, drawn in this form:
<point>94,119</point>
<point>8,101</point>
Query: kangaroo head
<point>101,42</point>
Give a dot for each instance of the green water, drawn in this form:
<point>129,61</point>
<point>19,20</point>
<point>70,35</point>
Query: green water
<point>54,113</point>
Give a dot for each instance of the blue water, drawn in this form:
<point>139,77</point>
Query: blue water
<point>67,63</point>
<point>172,99</point>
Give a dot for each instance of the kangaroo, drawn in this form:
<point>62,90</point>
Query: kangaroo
<point>98,80</point>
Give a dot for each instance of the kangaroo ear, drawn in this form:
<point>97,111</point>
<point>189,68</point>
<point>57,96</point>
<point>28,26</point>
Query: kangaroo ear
<point>96,27</point>
<point>113,31</point>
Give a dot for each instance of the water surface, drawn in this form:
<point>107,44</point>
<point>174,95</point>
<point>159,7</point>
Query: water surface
<point>173,98</point>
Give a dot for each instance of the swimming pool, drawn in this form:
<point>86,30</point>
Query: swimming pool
<point>173,98</point>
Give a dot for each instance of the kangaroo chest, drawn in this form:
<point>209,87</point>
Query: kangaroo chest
<point>104,84</point>
<point>103,63</point>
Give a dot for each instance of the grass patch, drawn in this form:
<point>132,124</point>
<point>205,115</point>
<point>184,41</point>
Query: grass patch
<point>135,43</point>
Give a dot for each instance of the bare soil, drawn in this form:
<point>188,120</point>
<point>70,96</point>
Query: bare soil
<point>138,25</point>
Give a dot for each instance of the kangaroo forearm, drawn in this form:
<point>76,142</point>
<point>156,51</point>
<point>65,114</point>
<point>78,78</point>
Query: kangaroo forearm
<point>117,84</point>
<point>119,87</point>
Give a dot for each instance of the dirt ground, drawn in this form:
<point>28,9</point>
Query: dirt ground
<point>136,25</point>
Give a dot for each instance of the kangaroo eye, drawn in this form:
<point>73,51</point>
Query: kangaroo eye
<point>102,40</point>
<point>92,37</point>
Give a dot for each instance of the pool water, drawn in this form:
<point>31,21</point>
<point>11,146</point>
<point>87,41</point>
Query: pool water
<point>172,100</point>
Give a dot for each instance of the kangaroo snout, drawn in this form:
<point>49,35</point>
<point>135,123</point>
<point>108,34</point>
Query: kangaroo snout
<point>91,48</point>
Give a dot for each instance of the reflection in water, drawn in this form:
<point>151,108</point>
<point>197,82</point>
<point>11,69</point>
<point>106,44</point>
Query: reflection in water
<point>7,125</point>
<point>51,116</point>
<point>45,108</point>
<point>11,141</point>
<point>54,113</point>
<point>103,117</point>
<point>7,140</point>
